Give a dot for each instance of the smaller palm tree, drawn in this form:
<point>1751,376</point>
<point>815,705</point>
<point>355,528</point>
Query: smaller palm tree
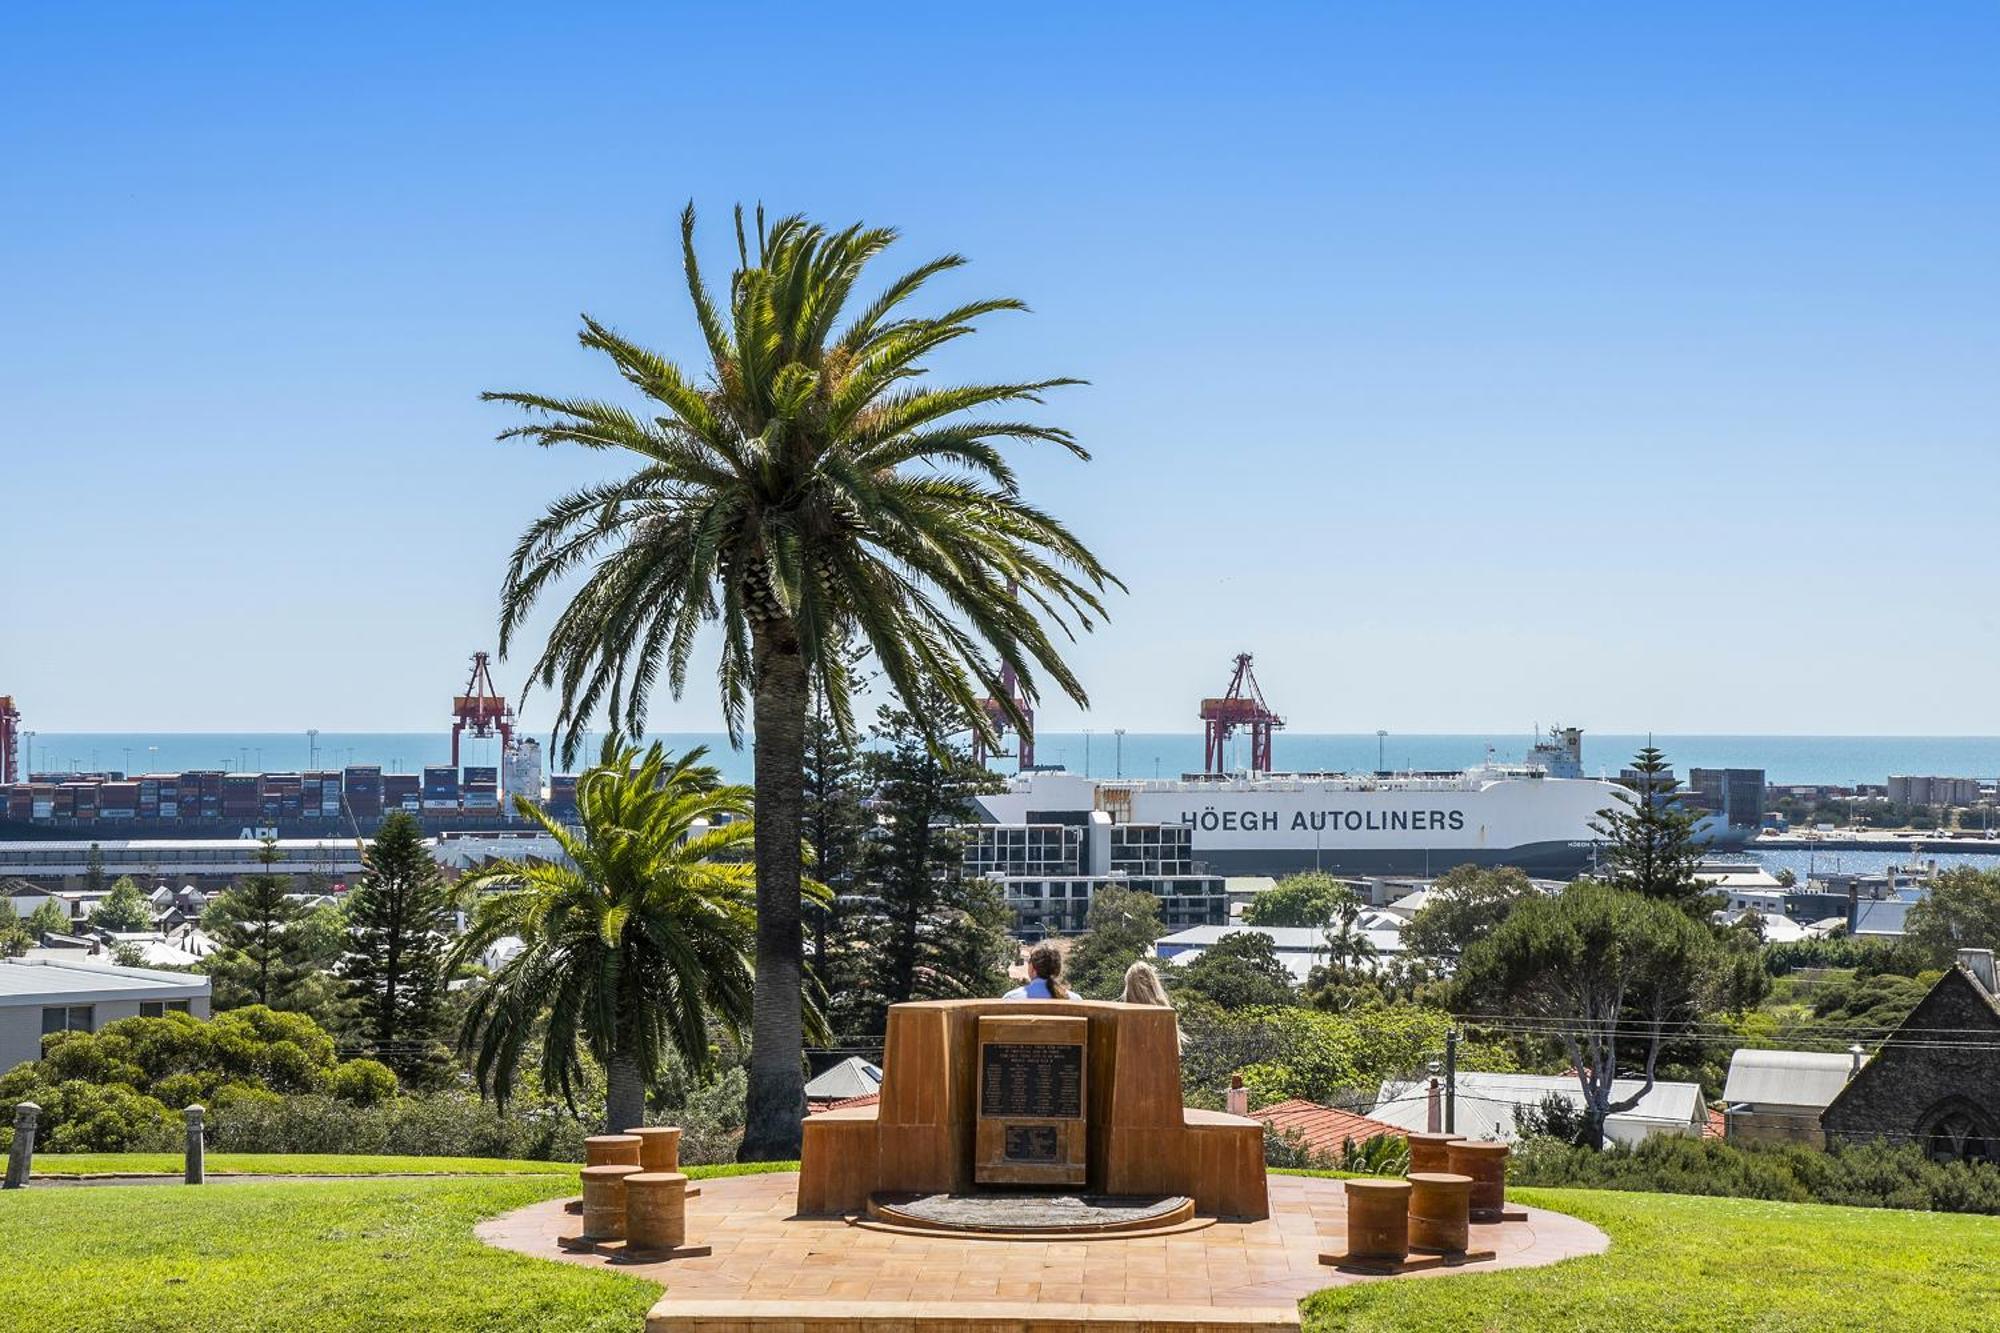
<point>631,946</point>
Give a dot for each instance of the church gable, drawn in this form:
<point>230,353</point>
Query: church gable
<point>1935,1081</point>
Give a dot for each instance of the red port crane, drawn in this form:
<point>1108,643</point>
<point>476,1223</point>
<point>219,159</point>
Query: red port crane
<point>480,709</point>
<point>996,714</point>
<point>1242,706</point>
<point>10,731</point>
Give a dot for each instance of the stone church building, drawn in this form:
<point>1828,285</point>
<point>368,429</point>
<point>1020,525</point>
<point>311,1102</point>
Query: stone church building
<point>1936,1081</point>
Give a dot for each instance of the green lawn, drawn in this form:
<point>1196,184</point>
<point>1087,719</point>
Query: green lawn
<point>399,1254</point>
<point>1698,1264</point>
<point>288,1164</point>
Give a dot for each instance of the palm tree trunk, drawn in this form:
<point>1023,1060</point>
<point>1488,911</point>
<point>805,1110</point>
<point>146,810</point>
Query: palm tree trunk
<point>624,1094</point>
<point>776,1104</point>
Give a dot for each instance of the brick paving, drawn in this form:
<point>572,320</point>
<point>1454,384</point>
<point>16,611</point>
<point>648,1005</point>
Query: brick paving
<point>762,1254</point>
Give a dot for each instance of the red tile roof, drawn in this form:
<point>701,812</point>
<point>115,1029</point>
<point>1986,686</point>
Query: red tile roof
<point>1717,1126</point>
<point>870,1100</point>
<point>1324,1129</point>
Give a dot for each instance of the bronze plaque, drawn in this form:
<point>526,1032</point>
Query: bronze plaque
<point>1024,1080</point>
<point>1030,1143</point>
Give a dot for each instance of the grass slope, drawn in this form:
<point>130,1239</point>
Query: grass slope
<point>373,1255</point>
<point>1678,1262</point>
<point>288,1164</point>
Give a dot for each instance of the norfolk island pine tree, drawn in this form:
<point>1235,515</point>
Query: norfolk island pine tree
<point>807,497</point>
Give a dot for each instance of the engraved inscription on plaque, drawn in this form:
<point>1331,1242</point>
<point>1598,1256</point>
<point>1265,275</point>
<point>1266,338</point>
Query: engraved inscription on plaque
<point>1030,1143</point>
<point>1023,1080</point>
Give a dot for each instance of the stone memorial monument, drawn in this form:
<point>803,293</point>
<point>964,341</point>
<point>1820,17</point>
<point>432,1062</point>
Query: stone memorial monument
<point>1055,1108</point>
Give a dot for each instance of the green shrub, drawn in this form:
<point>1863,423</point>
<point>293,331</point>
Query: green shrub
<point>90,1117</point>
<point>451,1125</point>
<point>363,1082</point>
<point>1865,1176</point>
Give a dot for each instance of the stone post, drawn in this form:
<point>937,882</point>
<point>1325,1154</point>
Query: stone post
<point>21,1159</point>
<point>1237,1100</point>
<point>196,1163</point>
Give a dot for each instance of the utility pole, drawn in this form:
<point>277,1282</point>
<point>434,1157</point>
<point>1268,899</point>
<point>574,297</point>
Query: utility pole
<point>1120,733</point>
<point>1451,1081</point>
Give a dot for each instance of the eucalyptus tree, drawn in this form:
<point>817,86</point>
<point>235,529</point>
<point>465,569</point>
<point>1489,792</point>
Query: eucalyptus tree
<point>632,942</point>
<point>806,493</point>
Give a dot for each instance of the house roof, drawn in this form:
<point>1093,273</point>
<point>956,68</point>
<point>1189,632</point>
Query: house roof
<point>852,1077</point>
<point>1486,1102</point>
<point>1324,1129</point>
<point>872,1099</point>
<point>34,980</point>
<point>1786,1078</point>
<point>1717,1126</point>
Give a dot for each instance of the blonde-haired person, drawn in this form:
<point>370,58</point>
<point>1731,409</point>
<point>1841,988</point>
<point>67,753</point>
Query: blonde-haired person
<point>1044,976</point>
<point>1143,986</point>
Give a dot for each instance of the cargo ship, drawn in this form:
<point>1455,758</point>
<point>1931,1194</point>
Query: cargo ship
<point>211,803</point>
<point>1412,823</point>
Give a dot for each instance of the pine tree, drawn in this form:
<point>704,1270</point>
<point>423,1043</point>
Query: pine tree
<point>1650,841</point>
<point>831,828</point>
<point>394,962</point>
<point>260,958</point>
<point>927,931</point>
<point>93,870</point>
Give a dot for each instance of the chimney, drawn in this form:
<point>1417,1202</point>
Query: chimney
<point>1434,1111</point>
<point>1237,1100</point>
<point>1979,962</point>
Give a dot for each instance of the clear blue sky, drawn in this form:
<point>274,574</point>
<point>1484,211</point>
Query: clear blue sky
<point>1471,364</point>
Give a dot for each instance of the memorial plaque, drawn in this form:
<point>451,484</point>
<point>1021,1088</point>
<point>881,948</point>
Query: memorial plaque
<point>1023,1080</point>
<point>1030,1143</point>
<point>1032,1099</point>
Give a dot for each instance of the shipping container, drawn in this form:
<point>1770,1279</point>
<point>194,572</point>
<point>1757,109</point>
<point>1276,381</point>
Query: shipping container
<point>475,776</point>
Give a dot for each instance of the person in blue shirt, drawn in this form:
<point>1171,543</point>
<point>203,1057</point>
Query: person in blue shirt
<point>1044,976</point>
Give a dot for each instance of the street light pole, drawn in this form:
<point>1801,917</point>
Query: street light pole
<point>1086,751</point>
<point>1120,733</point>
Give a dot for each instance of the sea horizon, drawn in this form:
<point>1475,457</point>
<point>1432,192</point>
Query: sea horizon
<point>1829,759</point>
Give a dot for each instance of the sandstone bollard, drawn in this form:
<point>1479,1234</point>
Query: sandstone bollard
<point>21,1157</point>
<point>659,1148</point>
<point>1378,1220</point>
<point>611,1150</point>
<point>655,1210</point>
<point>197,1166</point>
<point>604,1201</point>
<point>1440,1217</point>
<point>1486,1163</point>
<point>1427,1151</point>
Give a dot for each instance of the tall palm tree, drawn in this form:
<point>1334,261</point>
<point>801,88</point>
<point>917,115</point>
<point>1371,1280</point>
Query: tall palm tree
<point>805,494</point>
<point>630,948</point>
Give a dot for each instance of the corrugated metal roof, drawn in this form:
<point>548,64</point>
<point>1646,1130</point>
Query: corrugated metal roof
<point>30,979</point>
<point>1486,1102</point>
<point>1786,1078</point>
<point>852,1077</point>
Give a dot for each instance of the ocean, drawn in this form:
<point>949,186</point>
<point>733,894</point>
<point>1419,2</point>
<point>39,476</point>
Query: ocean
<point>1842,760</point>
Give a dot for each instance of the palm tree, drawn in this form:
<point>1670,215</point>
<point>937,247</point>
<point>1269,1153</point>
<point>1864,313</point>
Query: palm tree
<point>806,495</point>
<point>630,948</point>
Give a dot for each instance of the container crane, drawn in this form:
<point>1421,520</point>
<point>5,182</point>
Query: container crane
<point>10,731</point>
<point>480,710</point>
<point>1241,706</point>
<point>1002,723</point>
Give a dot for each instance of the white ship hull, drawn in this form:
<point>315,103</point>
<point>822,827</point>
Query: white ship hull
<point>1415,825</point>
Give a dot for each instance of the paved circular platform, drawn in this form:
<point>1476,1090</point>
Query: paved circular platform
<point>1005,1214</point>
<point>771,1268</point>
